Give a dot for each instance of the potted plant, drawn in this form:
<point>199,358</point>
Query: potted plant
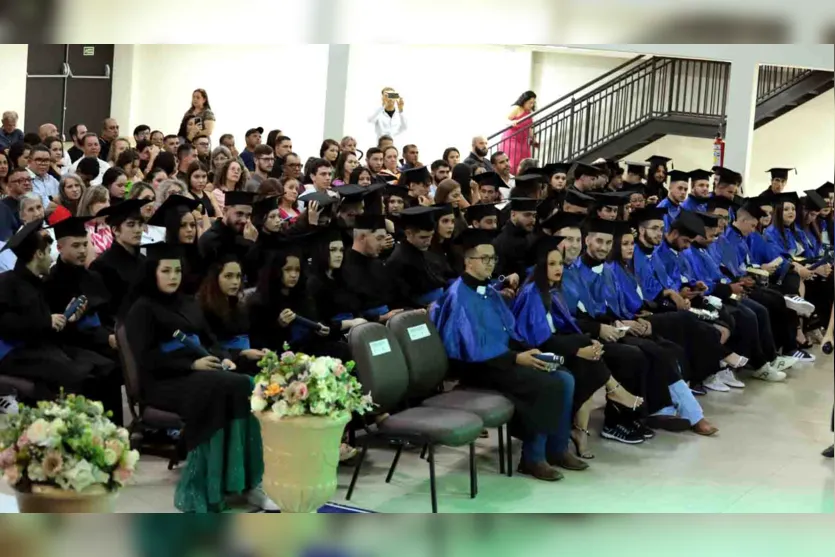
<point>304,404</point>
<point>65,456</point>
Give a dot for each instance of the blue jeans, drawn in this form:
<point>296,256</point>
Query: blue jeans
<point>535,450</point>
<point>684,404</point>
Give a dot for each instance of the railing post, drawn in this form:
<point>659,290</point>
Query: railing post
<point>571,132</point>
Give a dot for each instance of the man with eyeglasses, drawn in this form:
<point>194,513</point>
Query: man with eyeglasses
<point>202,146</point>
<point>264,162</point>
<point>43,183</point>
<point>292,167</point>
<point>18,184</point>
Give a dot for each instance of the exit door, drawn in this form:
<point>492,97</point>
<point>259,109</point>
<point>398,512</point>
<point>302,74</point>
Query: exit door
<point>68,85</point>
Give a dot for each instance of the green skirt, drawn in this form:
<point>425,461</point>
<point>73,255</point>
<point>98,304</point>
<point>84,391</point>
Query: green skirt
<point>229,463</point>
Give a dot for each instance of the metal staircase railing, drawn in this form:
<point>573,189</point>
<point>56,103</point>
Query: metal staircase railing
<point>773,80</point>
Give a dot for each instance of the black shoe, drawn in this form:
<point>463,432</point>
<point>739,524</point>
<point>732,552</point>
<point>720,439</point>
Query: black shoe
<point>698,390</point>
<point>622,433</point>
<point>667,423</point>
<point>827,348</point>
<point>644,430</point>
<point>830,452</point>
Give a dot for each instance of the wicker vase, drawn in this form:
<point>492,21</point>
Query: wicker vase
<point>301,455</point>
<point>48,499</point>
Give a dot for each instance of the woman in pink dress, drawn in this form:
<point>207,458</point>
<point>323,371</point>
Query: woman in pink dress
<point>517,141</point>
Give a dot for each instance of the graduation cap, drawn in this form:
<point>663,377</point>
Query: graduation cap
<point>813,201</point>
<point>171,204</point>
<point>700,174</point>
<point>787,197</point>
<point>719,202</point>
<point>689,224</point>
<point>646,214</point>
<point>678,176</point>
<point>523,204</point>
<point>321,197</point>
<point>529,180</point>
<point>555,168</point>
<point>418,175</point>
<point>611,199</point>
<point>351,193</point>
<point>262,208</point>
<point>754,207</point>
<point>622,228</point>
<point>369,222</point>
<point>826,189</point>
<point>393,190</point>
<point>481,211</point>
<point>162,250</point>
<point>231,198</point>
<point>600,226</point>
<point>582,169</point>
<point>419,218</point>
<point>561,220</point>
<point>578,198</point>
<point>614,167</point>
<point>489,179</point>
<point>71,227</point>
<point>546,244</point>
<point>23,237</point>
<point>659,160</point>
<point>545,208</point>
<point>632,189</point>
<point>119,213</point>
<point>727,176</point>
<point>781,173</point>
<point>710,221</point>
<point>637,168</point>
<point>471,238</point>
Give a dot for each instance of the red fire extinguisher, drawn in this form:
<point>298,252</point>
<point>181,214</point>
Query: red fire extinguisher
<point>718,151</point>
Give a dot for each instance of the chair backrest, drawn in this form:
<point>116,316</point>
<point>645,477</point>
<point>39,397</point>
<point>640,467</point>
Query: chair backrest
<point>423,349</point>
<point>130,369</point>
<point>381,367</point>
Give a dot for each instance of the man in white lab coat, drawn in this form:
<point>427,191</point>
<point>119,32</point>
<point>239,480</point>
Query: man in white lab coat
<point>389,119</point>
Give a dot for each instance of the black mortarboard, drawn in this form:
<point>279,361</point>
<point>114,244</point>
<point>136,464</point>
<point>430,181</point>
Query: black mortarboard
<point>528,180</point>
<point>622,227</point>
<point>23,236</point>
<point>710,221</point>
<point>416,175</point>
<point>480,211</point>
<point>678,176</point>
<point>471,238</point>
<point>231,198</point>
<point>727,176</point>
<point>611,199</point>
<point>321,197</point>
<point>719,202</point>
<point>689,224</point>
<point>700,174</point>
<point>71,226</point>
<point>788,197</point>
<point>443,210</point>
<point>351,193</point>
<point>523,204</point>
<point>561,220</point>
<point>826,189</point>
<point>394,190</point>
<point>369,222</point>
<point>646,214</point>
<point>782,173</point>
<point>171,204</point>
<point>813,201</point>
<point>489,179</point>
<point>582,169</point>
<point>418,218</point>
<point>615,169</point>
<point>658,160</point>
<point>263,208</point>
<point>162,250</point>
<point>119,213</point>
<point>634,188</point>
<point>546,244</point>
<point>555,168</point>
<point>600,226</point>
<point>578,198</point>
<point>636,168</point>
<point>754,208</point>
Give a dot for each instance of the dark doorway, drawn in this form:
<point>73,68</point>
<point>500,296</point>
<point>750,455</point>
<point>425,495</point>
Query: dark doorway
<point>67,85</point>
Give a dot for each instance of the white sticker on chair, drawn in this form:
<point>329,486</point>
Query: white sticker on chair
<point>379,347</point>
<point>418,332</point>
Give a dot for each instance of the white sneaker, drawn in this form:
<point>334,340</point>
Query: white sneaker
<point>765,373</point>
<point>714,384</point>
<point>799,305</point>
<point>258,498</point>
<point>728,377</point>
<point>782,363</point>
<point>8,404</point>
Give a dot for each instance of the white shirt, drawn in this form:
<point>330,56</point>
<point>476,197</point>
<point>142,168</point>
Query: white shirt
<point>67,163</point>
<point>8,259</point>
<point>388,125</point>
<point>153,234</point>
<point>45,186</point>
<point>103,167</point>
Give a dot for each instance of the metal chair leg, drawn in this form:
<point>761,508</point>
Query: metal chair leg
<point>501,449</point>
<point>423,452</point>
<point>357,470</point>
<point>509,453</point>
<point>432,489</point>
<point>473,473</point>
<point>394,463</point>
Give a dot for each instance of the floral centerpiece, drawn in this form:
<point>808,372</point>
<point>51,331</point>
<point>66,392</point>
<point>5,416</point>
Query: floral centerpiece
<point>65,451</point>
<point>304,404</point>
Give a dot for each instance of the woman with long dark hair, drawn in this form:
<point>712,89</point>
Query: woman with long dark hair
<point>289,209</point>
<point>329,150</point>
<point>443,257</point>
<point>656,186</point>
<point>115,180</point>
<point>345,165</point>
<point>266,217</point>
<point>202,111</point>
<point>197,178</point>
<point>177,216</point>
<point>452,156</point>
<point>361,176</point>
<point>221,435</point>
<point>518,140</point>
<point>463,174</point>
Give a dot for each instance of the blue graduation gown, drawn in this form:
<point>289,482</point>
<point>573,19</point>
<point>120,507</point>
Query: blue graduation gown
<point>812,247</point>
<point>631,295</point>
<point>732,252</point>
<point>532,320</point>
<point>701,266</point>
<point>693,203</point>
<point>592,290</point>
<point>731,212</point>
<point>762,251</point>
<point>787,243</point>
<point>650,282</point>
<point>668,260</point>
<point>673,211</point>
<point>475,326</point>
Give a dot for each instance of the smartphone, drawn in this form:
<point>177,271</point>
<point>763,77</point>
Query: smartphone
<point>393,95</point>
<point>623,329</point>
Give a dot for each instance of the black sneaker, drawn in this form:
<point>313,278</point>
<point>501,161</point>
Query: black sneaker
<point>829,453</point>
<point>622,434</point>
<point>643,430</point>
<point>698,390</point>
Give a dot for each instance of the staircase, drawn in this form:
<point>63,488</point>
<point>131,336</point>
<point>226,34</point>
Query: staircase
<point>647,98</point>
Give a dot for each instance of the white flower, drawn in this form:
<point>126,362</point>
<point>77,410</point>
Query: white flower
<point>110,457</point>
<point>320,368</point>
<point>278,379</point>
<point>98,406</point>
<point>38,432</point>
<point>129,459</point>
<point>36,472</point>
<point>280,408</point>
<point>80,476</point>
<point>57,428</point>
<point>319,408</point>
<point>100,476</point>
<point>257,404</point>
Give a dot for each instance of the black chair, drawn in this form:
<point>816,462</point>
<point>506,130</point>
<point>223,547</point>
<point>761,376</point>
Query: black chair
<point>143,416</point>
<point>428,365</point>
<point>382,371</point>
<point>24,390</point>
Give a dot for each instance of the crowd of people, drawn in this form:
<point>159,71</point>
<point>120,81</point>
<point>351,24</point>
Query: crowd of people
<point>654,285</point>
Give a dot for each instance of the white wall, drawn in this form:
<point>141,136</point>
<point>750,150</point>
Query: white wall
<point>556,73</point>
<point>13,82</point>
<point>802,138</point>
<point>249,86</point>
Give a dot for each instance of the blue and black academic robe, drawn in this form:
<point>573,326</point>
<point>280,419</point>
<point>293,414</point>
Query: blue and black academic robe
<point>761,252</point>
<point>812,245</point>
<point>479,334</point>
<point>673,211</point>
<point>702,267</point>
<point>693,203</point>
<point>669,263</point>
<point>652,284</point>
<point>732,253</point>
<point>787,241</point>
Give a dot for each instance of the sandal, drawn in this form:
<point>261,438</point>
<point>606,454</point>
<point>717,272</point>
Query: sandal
<point>638,401</point>
<point>584,455</point>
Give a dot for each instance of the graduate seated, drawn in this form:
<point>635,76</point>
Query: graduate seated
<point>700,191</point>
<point>513,242</point>
<point>479,334</point>
<point>676,196</point>
<point>484,216</point>
<point>234,233</point>
<point>180,217</point>
<point>443,256</point>
<point>222,436</point>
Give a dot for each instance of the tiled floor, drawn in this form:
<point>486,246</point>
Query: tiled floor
<point>766,458</point>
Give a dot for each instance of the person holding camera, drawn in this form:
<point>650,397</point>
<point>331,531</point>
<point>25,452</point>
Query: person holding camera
<point>201,111</point>
<point>389,119</point>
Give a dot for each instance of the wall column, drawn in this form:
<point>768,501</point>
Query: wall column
<point>336,87</point>
<point>739,128</point>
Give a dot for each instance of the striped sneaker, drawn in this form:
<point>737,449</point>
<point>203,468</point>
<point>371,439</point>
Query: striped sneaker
<point>8,404</point>
<point>622,434</point>
<point>804,357</point>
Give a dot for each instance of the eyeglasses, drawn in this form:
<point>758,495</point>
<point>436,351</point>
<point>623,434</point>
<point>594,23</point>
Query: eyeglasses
<point>486,259</point>
<point>294,165</point>
<point>41,161</point>
<point>21,181</point>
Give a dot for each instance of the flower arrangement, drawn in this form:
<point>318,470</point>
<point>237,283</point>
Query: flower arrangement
<point>69,444</point>
<point>295,384</point>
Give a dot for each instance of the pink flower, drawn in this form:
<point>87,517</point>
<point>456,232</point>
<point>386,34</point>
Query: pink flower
<point>23,440</point>
<point>296,391</point>
<point>339,370</point>
<point>12,475</point>
<point>7,458</point>
<point>287,356</point>
<point>122,475</point>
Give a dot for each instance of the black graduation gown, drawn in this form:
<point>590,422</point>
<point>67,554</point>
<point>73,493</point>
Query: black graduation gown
<point>119,269</point>
<point>333,301</point>
<point>230,327</point>
<point>512,246</point>
<point>194,269</point>
<point>206,400</point>
<point>219,240</point>
<point>259,253</point>
<point>31,346</point>
<point>367,278</point>
<point>412,276</point>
